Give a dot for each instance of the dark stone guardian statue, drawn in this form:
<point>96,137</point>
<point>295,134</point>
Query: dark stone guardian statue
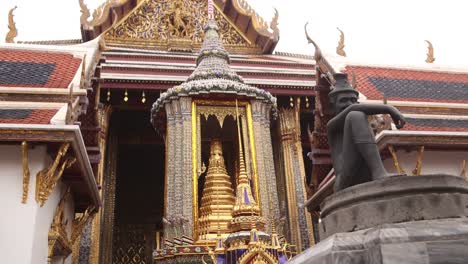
<point>354,152</point>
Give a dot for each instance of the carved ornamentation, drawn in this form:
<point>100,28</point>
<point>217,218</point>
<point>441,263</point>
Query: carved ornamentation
<point>299,220</point>
<point>340,48</point>
<point>274,24</point>
<point>257,254</point>
<point>220,112</point>
<point>398,167</point>
<point>59,244</point>
<point>379,123</point>
<point>12,32</point>
<point>84,13</point>
<point>101,13</point>
<point>322,64</point>
<point>161,23</point>
<point>79,223</point>
<point>258,22</point>
<point>430,52</point>
<point>47,178</point>
<point>179,21</point>
<point>26,173</point>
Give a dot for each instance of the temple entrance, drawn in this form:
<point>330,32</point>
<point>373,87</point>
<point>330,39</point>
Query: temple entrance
<point>139,187</point>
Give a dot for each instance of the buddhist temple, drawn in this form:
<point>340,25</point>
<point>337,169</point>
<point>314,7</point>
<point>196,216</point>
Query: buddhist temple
<point>173,132</point>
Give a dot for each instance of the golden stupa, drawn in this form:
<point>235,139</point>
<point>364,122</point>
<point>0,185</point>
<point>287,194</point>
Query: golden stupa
<point>218,197</point>
<point>246,212</point>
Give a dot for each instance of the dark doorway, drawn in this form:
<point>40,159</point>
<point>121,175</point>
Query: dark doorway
<point>139,195</point>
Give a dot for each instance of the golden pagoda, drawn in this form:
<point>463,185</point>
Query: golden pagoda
<point>217,198</point>
<point>246,212</point>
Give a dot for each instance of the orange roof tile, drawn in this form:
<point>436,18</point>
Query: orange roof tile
<point>26,116</point>
<point>410,85</point>
<point>19,68</point>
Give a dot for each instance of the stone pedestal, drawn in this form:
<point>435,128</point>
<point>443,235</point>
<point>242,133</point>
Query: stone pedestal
<point>401,219</point>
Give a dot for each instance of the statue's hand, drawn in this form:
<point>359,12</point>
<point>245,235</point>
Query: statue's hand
<point>399,120</point>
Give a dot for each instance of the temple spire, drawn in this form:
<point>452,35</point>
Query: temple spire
<point>246,211</point>
<point>210,10</point>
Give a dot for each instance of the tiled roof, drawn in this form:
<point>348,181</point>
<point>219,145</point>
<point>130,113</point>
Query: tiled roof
<point>433,124</point>
<point>410,85</point>
<point>26,116</point>
<point>19,68</point>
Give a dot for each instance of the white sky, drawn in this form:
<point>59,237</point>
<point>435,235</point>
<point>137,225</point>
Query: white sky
<point>376,31</point>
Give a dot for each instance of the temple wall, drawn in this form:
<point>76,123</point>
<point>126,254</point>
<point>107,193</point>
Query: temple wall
<point>447,162</point>
<point>24,228</point>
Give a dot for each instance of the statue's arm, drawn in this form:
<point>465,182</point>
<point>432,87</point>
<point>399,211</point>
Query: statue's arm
<point>368,109</point>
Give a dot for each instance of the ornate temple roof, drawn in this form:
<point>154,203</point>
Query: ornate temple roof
<point>44,69</point>
<point>42,93</point>
<point>213,75</point>
<point>155,24</point>
<point>27,116</point>
<point>436,124</point>
<point>411,84</point>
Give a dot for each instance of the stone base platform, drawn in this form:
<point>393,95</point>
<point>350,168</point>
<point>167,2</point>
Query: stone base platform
<point>443,241</point>
<point>394,199</point>
<point>394,220</point>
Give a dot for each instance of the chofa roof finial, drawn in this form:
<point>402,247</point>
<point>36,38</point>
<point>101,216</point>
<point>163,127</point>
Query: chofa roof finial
<point>430,52</point>
<point>340,48</point>
<point>13,32</point>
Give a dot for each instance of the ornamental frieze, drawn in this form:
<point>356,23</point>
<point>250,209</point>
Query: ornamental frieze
<point>160,22</point>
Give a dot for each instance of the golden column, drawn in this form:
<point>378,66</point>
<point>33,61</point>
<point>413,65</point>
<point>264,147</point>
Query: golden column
<point>300,223</point>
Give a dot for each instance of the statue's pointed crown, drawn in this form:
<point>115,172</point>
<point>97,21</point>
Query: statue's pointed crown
<point>341,85</point>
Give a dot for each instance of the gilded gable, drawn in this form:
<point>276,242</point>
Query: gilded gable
<point>174,25</point>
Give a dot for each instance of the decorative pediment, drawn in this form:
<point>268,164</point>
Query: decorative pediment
<point>176,26</point>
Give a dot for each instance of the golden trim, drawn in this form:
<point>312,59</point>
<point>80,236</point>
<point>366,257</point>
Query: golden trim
<point>58,242</point>
<point>47,178</point>
<point>79,223</point>
<point>26,173</point>
<point>108,210</point>
<point>232,24</point>
<point>259,24</point>
<point>166,156</point>
<point>298,153</point>
<point>194,171</point>
<point>219,103</point>
<point>254,155</point>
<point>116,24</point>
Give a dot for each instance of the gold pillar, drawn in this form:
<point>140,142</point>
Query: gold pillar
<point>196,141</point>
<point>103,117</point>
<point>299,220</point>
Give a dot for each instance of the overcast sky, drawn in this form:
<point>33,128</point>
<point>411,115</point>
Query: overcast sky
<point>377,31</point>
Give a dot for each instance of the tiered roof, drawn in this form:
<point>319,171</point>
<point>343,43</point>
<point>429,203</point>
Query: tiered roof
<point>411,85</point>
<point>43,91</point>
